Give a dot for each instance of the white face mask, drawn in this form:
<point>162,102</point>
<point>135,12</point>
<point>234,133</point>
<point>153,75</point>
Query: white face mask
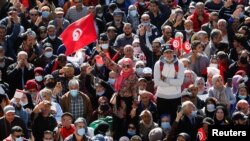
<point>39,78</point>
<point>189,31</point>
<point>104,46</point>
<point>19,139</point>
<point>210,107</point>
<point>139,71</point>
<point>48,54</point>
<point>23,103</point>
<point>111,81</point>
<point>137,50</point>
<point>52,37</point>
<point>245,78</point>
<point>213,65</point>
<point>100,14</point>
<point>133,13</point>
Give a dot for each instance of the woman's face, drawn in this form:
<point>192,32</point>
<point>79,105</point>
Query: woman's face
<point>219,114</point>
<point>200,85</point>
<point>126,67</point>
<point>219,82</point>
<point>146,118</point>
<point>243,91</point>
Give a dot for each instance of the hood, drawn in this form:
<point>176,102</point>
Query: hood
<point>163,60</point>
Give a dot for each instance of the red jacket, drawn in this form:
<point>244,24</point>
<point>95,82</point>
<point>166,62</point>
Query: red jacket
<point>196,23</point>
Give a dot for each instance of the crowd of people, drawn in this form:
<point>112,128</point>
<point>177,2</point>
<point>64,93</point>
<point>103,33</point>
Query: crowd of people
<point>132,83</point>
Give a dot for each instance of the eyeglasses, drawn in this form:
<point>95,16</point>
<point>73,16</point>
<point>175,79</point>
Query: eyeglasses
<point>42,32</point>
<point>126,66</point>
<point>77,2</point>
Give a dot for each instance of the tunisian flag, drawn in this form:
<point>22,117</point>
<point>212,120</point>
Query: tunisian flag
<point>176,42</point>
<point>79,34</point>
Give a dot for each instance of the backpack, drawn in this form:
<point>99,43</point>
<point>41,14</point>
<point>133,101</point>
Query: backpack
<point>176,67</point>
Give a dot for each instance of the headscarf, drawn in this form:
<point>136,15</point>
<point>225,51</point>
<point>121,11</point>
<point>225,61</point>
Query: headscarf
<point>124,75</point>
<point>197,81</point>
<point>235,83</point>
<point>219,93</point>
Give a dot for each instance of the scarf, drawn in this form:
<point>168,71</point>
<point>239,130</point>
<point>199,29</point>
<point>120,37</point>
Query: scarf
<point>66,132</point>
<point>123,75</point>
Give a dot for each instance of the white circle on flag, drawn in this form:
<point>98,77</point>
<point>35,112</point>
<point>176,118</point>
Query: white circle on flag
<point>200,135</point>
<point>77,33</point>
<point>175,44</point>
<point>187,47</point>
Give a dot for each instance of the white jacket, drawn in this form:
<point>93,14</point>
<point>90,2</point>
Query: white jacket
<point>170,88</point>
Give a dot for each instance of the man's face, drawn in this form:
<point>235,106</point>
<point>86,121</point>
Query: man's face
<point>128,51</point>
<point>66,121</point>
<point>69,72</point>
<point>10,116</point>
<point>51,31</point>
<point>188,25</point>
<point>168,55</point>
<point>22,58</point>
<point>2,33</point>
<point>167,33</point>
<point>144,98</point>
<point>33,15</point>
<point>156,47</point>
<point>153,7</point>
<point>127,30</point>
<point>200,10</point>
<point>118,18</point>
<point>193,90</point>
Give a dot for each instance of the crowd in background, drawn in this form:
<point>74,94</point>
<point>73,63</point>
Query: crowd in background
<point>132,83</point>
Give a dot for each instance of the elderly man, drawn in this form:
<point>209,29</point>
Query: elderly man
<point>9,120</point>
<point>76,102</point>
<point>21,71</point>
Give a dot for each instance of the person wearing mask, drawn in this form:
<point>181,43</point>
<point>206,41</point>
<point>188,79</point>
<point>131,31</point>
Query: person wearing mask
<point>43,119</point>
<point>73,99</point>
<point>52,38</point>
<point>190,121</point>
<point>168,77</point>
<point>15,134</point>
<point>133,16</point>
<point>9,120</point>
<point>46,57</point>
<point>39,75</point>
<point>149,30</point>
<point>147,73</point>
<point>117,21</point>
<point>139,66</point>
<point>81,131</point>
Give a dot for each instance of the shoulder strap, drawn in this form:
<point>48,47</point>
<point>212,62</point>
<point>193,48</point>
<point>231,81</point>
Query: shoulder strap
<point>176,67</point>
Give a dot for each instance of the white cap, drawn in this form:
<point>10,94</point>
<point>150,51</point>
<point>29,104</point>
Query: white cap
<point>147,70</point>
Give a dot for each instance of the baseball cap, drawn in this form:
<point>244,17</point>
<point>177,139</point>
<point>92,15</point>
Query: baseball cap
<point>147,70</point>
<point>118,12</point>
<point>166,47</point>
<point>239,115</point>
<point>59,10</point>
<point>185,135</point>
<point>8,109</point>
<point>80,119</point>
<point>103,37</point>
<point>48,76</point>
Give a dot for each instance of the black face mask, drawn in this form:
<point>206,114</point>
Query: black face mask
<point>50,85</point>
<point>148,78</point>
<point>104,107</point>
<point>243,60</point>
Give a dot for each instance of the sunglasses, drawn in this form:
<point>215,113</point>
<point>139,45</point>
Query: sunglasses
<point>126,66</point>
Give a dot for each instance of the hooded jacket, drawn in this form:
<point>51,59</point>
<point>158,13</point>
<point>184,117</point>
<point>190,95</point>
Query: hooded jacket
<point>170,88</point>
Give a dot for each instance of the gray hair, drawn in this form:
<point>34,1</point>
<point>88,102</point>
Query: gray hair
<point>46,91</point>
<point>73,82</point>
<point>22,53</point>
<point>214,33</point>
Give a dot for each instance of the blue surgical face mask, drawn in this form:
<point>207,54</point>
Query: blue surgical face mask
<point>73,93</point>
<point>104,46</point>
<point>111,81</point>
<point>241,14</point>
<point>194,113</point>
<point>146,23</point>
<point>133,13</point>
<point>131,132</point>
<point>45,14</point>
<point>81,131</point>
<point>48,54</point>
<point>242,96</point>
<point>100,93</point>
<point>165,125</point>
<point>19,139</point>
